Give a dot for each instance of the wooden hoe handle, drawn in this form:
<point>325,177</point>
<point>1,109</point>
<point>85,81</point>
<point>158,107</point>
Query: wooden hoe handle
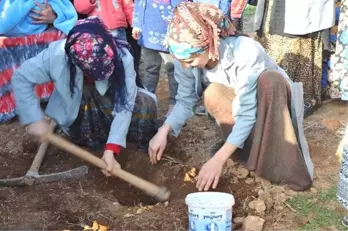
<point>151,189</point>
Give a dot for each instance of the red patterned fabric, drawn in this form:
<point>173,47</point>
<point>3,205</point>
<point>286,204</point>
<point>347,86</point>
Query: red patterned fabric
<point>13,52</point>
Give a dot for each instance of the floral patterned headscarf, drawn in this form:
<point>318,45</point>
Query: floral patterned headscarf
<point>196,28</point>
<point>89,51</point>
<point>91,47</point>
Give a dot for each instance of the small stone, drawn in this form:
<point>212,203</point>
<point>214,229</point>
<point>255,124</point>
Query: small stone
<point>260,192</point>
<point>139,211</point>
<point>238,220</point>
<point>128,215</point>
<point>257,188</point>
<point>280,198</point>
<point>166,203</point>
<point>314,190</point>
<point>258,205</point>
<point>230,163</point>
<point>241,172</point>
<point>253,223</point>
<point>253,174</point>
<point>249,181</point>
<point>234,180</point>
<point>279,208</point>
<point>262,181</point>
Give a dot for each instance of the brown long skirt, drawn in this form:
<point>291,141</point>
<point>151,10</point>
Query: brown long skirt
<point>272,149</point>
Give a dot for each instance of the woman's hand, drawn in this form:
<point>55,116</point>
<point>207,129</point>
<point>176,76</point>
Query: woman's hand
<point>46,14</point>
<point>158,143</point>
<point>136,33</point>
<point>39,128</point>
<point>110,161</point>
<point>209,174</point>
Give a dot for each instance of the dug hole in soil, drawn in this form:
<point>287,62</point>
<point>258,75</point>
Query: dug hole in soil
<point>71,204</point>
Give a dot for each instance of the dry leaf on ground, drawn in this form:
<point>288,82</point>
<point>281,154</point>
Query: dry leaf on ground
<point>96,227</point>
<point>190,176</point>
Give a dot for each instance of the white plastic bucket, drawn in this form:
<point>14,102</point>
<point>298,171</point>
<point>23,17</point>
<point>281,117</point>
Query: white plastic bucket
<point>210,211</point>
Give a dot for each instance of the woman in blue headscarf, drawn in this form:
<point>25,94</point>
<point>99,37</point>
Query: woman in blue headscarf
<point>257,106</point>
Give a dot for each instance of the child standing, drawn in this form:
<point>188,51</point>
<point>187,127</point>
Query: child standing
<point>151,18</point>
<point>116,14</point>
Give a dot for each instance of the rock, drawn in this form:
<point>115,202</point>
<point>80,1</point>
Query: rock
<point>253,223</point>
<point>267,198</point>
<point>257,188</point>
<point>230,163</point>
<point>258,205</point>
<point>263,182</point>
<point>253,174</point>
<point>238,220</point>
<point>128,215</point>
<point>279,198</point>
<point>278,208</point>
<point>166,203</point>
<point>234,180</point>
<point>332,125</point>
<point>139,211</point>
<point>249,181</point>
<point>260,192</point>
<point>240,172</point>
<point>314,190</point>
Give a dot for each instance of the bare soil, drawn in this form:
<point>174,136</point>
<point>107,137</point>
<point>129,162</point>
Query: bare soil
<point>70,204</point>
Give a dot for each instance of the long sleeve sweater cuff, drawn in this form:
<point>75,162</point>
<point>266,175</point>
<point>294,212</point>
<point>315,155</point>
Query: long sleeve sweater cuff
<point>113,147</point>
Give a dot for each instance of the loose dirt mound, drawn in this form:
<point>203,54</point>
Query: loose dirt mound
<point>72,203</point>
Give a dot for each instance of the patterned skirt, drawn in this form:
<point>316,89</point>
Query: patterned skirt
<point>92,126</point>
<point>300,57</point>
<point>338,78</point>
<point>342,189</point>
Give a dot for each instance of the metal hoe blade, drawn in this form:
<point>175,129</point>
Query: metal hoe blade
<point>32,178</point>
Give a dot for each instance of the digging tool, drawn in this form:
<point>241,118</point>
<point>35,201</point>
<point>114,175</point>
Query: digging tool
<point>33,176</point>
<point>160,193</point>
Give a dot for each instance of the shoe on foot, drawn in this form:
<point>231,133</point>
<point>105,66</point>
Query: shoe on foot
<point>201,111</point>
